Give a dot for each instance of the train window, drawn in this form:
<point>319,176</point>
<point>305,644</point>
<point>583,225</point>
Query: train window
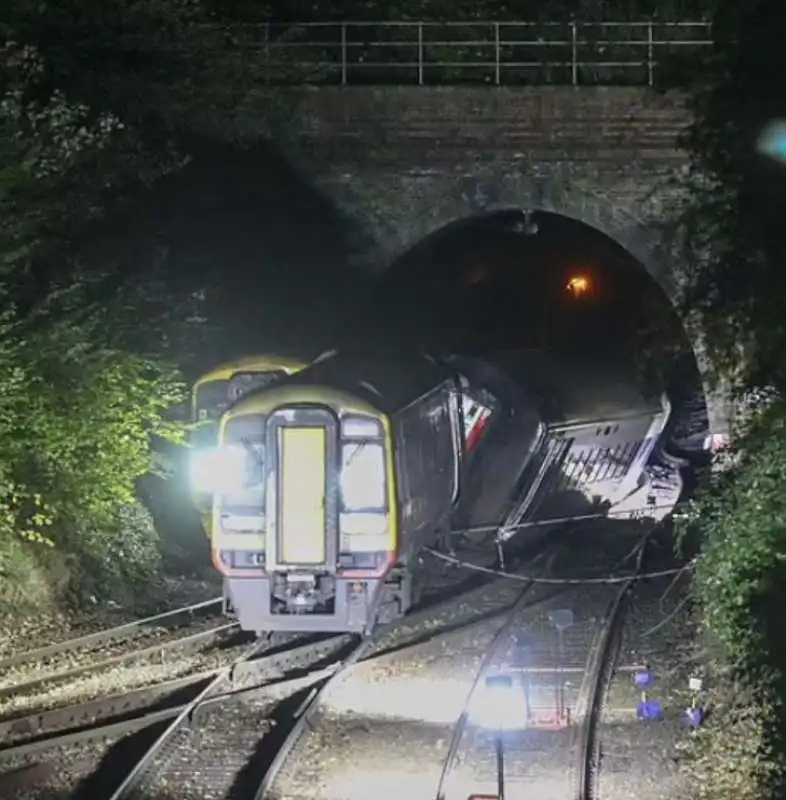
<point>242,383</point>
<point>363,483</point>
<point>250,493</point>
<point>360,428</point>
<point>211,400</point>
<point>206,435</point>
<point>248,496</point>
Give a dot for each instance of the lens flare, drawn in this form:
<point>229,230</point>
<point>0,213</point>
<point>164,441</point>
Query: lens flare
<point>772,140</point>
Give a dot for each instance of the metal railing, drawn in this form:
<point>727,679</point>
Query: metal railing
<point>488,53</point>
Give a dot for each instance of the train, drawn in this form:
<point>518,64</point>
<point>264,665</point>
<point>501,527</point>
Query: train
<point>569,434</point>
<point>211,395</point>
<point>331,482</point>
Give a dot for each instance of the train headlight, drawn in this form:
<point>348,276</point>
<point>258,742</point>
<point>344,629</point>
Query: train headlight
<point>219,470</point>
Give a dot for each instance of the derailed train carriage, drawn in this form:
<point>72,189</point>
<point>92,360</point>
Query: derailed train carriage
<point>571,435</point>
<point>338,477</point>
<point>344,472</point>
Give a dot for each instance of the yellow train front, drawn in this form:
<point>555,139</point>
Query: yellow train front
<point>328,484</point>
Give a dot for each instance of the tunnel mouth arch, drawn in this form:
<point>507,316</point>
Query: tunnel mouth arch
<point>500,280</point>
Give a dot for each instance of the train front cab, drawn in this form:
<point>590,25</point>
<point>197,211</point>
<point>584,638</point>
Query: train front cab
<point>313,541</point>
<point>211,394</point>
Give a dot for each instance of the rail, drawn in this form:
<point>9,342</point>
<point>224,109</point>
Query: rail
<point>488,53</point>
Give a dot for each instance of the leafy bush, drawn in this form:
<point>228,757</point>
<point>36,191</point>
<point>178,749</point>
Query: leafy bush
<point>78,406</point>
<point>740,585</point>
<point>732,759</point>
<point>75,436</point>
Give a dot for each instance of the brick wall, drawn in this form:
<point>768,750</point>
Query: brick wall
<point>414,125</point>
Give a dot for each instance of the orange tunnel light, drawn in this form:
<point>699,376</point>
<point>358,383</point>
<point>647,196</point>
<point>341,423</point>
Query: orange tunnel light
<point>579,285</point>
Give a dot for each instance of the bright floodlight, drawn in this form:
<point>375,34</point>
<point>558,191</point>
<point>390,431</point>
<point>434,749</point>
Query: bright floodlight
<point>219,470</point>
<point>499,705</point>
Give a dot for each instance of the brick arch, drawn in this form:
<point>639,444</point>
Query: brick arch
<point>447,202</point>
<point>450,201</point>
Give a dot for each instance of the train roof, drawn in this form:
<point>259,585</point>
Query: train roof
<point>579,386</point>
<point>252,363</point>
<point>389,381</point>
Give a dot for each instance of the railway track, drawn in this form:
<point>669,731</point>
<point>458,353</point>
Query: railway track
<point>228,746</point>
<point>537,755</point>
<point>171,761</point>
<point>91,640</point>
<point>198,705</point>
<point>266,660</point>
<point>302,724</point>
<point>599,672</point>
<point>34,731</point>
<point>462,722</point>
<point>27,673</point>
<point>203,721</point>
<point>303,717</point>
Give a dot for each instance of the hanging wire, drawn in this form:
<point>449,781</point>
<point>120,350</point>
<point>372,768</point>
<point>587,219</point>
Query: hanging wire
<point>667,619</point>
<point>611,579</point>
<point>635,550</point>
<point>671,615</point>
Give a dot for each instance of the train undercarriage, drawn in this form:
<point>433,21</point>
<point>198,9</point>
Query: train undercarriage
<point>312,602</point>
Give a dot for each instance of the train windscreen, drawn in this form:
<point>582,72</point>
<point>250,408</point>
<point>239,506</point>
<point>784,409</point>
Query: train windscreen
<point>242,383</point>
<point>211,401</point>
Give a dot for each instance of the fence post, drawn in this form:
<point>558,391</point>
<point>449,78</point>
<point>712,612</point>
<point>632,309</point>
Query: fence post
<point>420,53</point>
<point>650,54</point>
<point>343,53</point>
<point>496,54</point>
<point>574,54</point>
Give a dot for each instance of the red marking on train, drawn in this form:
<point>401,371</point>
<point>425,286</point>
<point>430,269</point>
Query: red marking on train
<point>477,430</point>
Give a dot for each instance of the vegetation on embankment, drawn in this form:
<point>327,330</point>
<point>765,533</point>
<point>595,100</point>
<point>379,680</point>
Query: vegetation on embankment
<point>134,237</point>
<point>740,591</point>
<point>735,289</point>
<point>75,426</point>
<point>78,406</point>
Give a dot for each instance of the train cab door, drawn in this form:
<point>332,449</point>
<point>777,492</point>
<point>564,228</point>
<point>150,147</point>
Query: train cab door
<point>302,494</point>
